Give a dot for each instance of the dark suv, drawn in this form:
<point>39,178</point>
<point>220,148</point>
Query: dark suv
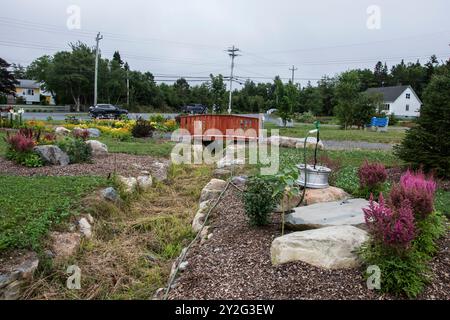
<point>195,109</point>
<point>106,111</point>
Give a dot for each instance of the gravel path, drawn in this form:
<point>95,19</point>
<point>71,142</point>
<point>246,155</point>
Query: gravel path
<point>351,145</point>
<point>235,264</point>
<point>125,164</point>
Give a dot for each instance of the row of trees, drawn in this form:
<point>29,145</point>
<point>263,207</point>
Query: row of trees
<point>69,75</point>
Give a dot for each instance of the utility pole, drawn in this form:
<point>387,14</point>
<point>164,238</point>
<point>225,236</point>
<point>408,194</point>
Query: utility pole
<point>293,69</point>
<point>97,39</point>
<point>127,68</point>
<point>232,53</point>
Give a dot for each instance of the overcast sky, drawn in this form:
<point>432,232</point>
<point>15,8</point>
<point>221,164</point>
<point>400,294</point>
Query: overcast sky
<point>189,37</point>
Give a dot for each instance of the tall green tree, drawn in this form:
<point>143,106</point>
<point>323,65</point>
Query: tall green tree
<point>7,80</point>
<point>428,144</point>
<point>218,91</point>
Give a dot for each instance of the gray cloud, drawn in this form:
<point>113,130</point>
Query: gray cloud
<point>188,37</point>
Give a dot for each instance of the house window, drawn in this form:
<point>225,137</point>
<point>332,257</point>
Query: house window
<point>30,92</point>
<point>385,107</point>
<point>407,107</point>
<point>408,96</point>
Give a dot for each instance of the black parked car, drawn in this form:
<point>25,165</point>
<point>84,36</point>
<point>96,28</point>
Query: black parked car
<point>195,109</point>
<point>106,111</point>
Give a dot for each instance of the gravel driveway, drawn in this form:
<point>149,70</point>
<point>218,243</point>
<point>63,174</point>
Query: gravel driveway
<point>352,145</point>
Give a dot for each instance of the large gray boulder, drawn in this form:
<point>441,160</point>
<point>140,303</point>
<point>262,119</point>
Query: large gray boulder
<point>16,272</point>
<point>313,196</point>
<point>200,216</point>
<point>330,247</point>
<point>51,154</point>
<point>110,194</point>
<point>94,132</point>
<point>129,183</point>
<point>98,149</point>
<point>213,189</point>
<point>62,131</point>
<point>335,213</point>
<point>291,142</point>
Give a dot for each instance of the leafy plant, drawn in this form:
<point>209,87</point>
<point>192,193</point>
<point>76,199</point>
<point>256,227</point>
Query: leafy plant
<point>400,274</point>
<point>142,128</point>
<point>32,160</point>
<point>77,149</point>
<point>259,199</point>
<point>285,189</point>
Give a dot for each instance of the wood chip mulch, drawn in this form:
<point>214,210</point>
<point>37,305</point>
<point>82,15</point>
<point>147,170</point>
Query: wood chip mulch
<point>235,264</point>
<point>124,164</point>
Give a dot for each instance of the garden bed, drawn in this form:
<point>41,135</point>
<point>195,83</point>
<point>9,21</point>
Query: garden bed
<point>119,163</point>
<point>235,264</point>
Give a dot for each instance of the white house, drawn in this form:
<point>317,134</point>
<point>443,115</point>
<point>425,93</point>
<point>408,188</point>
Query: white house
<point>399,100</point>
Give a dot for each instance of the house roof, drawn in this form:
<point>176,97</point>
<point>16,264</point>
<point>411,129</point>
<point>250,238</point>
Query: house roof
<point>390,94</point>
<point>30,84</point>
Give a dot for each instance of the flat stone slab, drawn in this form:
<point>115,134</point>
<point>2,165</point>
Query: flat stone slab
<point>330,247</point>
<point>335,213</point>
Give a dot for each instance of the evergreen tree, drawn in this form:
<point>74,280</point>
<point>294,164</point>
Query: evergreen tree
<point>428,144</point>
<point>7,80</point>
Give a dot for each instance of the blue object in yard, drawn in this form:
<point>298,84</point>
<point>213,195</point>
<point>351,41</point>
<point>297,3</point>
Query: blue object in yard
<point>380,124</point>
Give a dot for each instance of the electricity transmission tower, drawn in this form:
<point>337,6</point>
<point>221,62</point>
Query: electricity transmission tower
<point>232,53</point>
<point>293,69</point>
<point>97,40</point>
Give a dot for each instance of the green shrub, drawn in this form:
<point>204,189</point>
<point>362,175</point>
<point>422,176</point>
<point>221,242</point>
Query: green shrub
<point>393,120</point>
<point>305,117</point>
<point>259,201</point>
<point>28,159</point>
<point>77,149</point>
<point>142,129</point>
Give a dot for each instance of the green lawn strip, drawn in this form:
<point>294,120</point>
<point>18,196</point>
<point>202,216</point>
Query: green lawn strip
<point>290,156</point>
<point>334,133</point>
<point>30,206</point>
<point>151,147</point>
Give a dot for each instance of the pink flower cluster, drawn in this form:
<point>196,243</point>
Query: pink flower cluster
<point>371,175</point>
<point>411,199</point>
<point>416,189</point>
<point>394,228</point>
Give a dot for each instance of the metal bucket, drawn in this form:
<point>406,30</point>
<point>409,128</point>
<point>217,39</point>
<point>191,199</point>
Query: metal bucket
<point>316,178</point>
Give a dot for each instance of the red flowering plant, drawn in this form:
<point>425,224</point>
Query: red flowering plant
<point>391,228</point>
<point>418,190</point>
<point>82,134</point>
<point>372,177</point>
<point>20,148</point>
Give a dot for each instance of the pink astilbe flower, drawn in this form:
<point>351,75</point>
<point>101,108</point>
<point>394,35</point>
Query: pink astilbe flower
<point>392,228</point>
<point>417,190</point>
<point>371,175</point>
<point>20,143</point>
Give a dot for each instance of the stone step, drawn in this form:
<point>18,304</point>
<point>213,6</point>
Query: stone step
<point>335,213</point>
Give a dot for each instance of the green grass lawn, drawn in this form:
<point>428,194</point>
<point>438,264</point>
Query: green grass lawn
<point>335,133</point>
<point>151,147</point>
<point>30,206</point>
